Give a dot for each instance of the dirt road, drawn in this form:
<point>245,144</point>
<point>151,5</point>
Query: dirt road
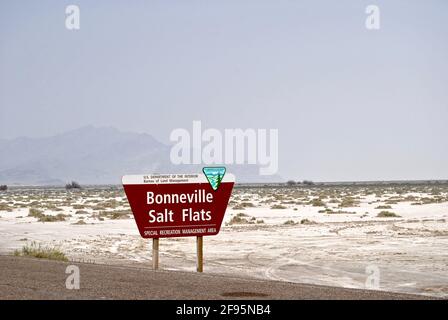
<point>27,278</point>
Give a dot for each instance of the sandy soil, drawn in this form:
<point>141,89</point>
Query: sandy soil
<point>269,233</point>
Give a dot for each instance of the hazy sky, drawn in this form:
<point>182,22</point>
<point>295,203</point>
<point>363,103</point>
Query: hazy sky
<point>349,103</point>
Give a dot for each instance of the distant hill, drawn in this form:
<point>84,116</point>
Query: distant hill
<point>92,155</point>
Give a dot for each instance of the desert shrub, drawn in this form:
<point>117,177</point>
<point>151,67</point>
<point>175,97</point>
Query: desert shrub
<point>239,220</point>
<point>247,204</point>
<point>116,214</point>
<point>348,202</point>
<point>326,210</point>
<point>384,207</point>
<point>72,185</point>
<point>120,215</point>
<point>241,215</point>
<point>340,212</point>
<point>38,251</point>
<point>98,207</point>
<point>35,213</point>
<point>391,201</point>
<point>5,207</point>
<point>50,218</point>
<point>243,205</point>
<point>289,222</point>
<point>112,203</point>
<point>41,217</point>
<point>410,198</point>
<point>278,206</point>
<point>3,187</point>
<point>317,203</point>
<point>290,183</point>
<point>387,214</point>
<point>307,221</point>
<point>21,204</point>
<point>52,207</point>
<point>308,183</point>
<point>427,200</point>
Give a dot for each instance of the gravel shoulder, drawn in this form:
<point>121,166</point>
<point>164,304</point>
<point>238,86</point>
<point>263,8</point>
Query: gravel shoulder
<point>28,278</point>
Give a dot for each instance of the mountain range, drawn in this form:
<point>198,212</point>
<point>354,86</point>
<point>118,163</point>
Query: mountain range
<point>95,155</point>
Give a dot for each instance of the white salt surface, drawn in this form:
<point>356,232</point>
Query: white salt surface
<point>409,251</point>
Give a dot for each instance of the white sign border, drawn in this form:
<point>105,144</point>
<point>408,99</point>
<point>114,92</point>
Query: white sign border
<point>171,178</point>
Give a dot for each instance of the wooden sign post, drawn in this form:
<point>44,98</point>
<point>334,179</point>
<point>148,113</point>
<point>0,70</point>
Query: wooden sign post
<point>199,249</point>
<point>155,253</point>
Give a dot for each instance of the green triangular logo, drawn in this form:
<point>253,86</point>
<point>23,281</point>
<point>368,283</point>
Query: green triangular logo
<point>214,175</point>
